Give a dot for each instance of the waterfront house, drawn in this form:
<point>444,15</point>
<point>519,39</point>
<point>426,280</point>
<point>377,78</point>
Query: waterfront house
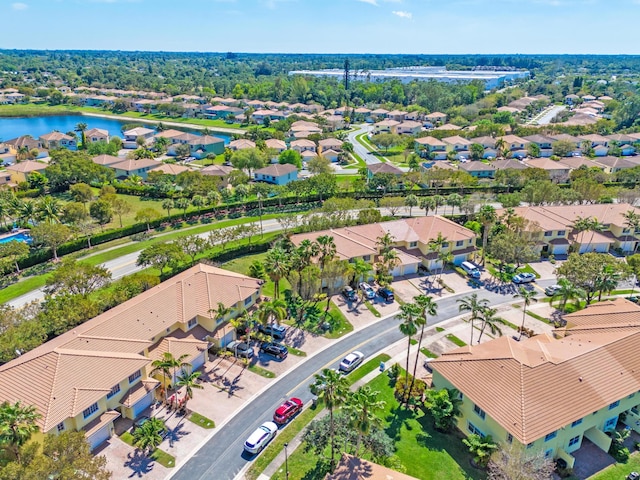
<point>241,144</point>
<point>131,137</point>
<point>96,135</point>
<point>58,140</point>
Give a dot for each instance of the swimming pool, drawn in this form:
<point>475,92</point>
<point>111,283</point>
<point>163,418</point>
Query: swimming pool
<point>20,237</point>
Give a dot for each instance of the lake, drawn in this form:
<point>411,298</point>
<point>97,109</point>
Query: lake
<point>35,126</point>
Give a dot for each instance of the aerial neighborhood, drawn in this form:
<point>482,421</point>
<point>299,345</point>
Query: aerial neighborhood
<point>323,267</point>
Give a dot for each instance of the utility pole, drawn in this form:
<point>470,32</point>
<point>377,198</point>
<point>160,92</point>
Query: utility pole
<point>346,74</point>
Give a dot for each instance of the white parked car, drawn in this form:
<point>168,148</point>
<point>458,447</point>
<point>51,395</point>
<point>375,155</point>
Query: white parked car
<point>351,361</point>
<point>261,437</point>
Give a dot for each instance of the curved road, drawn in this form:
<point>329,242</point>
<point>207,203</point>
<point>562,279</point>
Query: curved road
<point>357,146</point>
<point>222,456</point>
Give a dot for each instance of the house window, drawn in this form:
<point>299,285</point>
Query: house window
<point>413,244</point>
<point>247,301</point>
<point>548,453</point>
<point>460,396</point>
<point>115,389</point>
<point>529,445</point>
<point>509,438</point>
<point>445,245</point>
<point>135,376</point>
<point>548,234</point>
<point>614,404</point>
<point>561,233</point>
<point>550,436</point>
<point>459,243</point>
<point>610,424</point>
<point>481,413</point>
<point>626,230</point>
<point>632,395</point>
<point>576,423</point>
<point>60,427</point>
<point>473,429</point>
<point>366,258</point>
<point>87,412</point>
<point>192,323</point>
<point>574,441</point>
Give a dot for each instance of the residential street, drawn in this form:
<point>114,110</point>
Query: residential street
<point>357,146</point>
<point>222,455</point>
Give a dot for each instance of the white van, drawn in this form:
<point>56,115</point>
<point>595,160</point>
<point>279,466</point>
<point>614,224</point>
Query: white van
<point>470,269</point>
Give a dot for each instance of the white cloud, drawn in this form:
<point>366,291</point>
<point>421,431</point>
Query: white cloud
<point>403,14</point>
<point>370,2</point>
<point>19,6</point>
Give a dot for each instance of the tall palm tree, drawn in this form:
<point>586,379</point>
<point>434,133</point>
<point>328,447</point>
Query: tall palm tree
<point>49,209</point>
<point>473,305</point>
<point>22,154</point>
<point>454,200</point>
<point>332,388</point>
<point>189,380</point>
<point>409,317</point>
<point>427,308</point>
<point>487,217</point>
<point>438,200</point>
<point>82,127</point>
<point>272,311</point>
<point>568,291</point>
<point>489,318</point>
<point>428,204</point>
<point>306,251</point>
<point>276,264</point>
<point>326,249</point>
<point>632,222</point>
<point>385,242</point>
<point>166,366</point>
<point>362,407</point>
<point>149,435</point>
<point>17,423</point>
<point>527,296</point>
<point>360,269</point>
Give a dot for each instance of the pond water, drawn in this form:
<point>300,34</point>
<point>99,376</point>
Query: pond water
<point>35,126</point>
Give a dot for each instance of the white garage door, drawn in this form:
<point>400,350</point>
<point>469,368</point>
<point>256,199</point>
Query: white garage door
<point>602,248</point>
<point>396,272</point>
<point>410,269</point>
<point>198,361</point>
<point>143,403</point>
<point>228,338</point>
<point>99,437</point>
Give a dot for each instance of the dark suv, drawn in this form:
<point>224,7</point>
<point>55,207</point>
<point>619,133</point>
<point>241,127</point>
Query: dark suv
<point>276,331</point>
<point>276,349</point>
<point>349,294</point>
<point>386,295</point>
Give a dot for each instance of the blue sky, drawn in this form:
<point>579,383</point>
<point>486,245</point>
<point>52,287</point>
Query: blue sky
<point>312,26</point>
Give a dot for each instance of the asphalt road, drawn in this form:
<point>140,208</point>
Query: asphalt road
<point>549,115</point>
<point>357,146</point>
<point>121,267</point>
<point>223,457</point>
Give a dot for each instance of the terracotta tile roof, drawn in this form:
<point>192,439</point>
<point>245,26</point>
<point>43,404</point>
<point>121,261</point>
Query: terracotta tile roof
<point>170,169</point>
<point>546,164</point>
<point>353,468</point>
<point>171,133</point>
<point>138,131</point>
<point>96,132</point>
<point>436,115</point>
<point>448,126</point>
<point>129,165</point>
<point>330,143</point>
<point>241,144</point>
<point>217,170</point>
<point>477,167</point>
<point>508,163</point>
<point>486,140</point>
<point>138,391</point>
<point>275,143</point>
<point>23,141</point>
<point>303,143</point>
<point>107,159</point>
<point>67,374</point>
<point>456,139</point>
<point>178,347</point>
<point>388,123</point>
<point>55,136</point>
<point>615,314</point>
<point>383,167</point>
<point>431,141</point>
<point>577,162</point>
<point>27,166</point>
<point>517,383</point>
<point>104,419</point>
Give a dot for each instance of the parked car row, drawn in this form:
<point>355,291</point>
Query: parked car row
<point>261,437</point>
<point>350,295</point>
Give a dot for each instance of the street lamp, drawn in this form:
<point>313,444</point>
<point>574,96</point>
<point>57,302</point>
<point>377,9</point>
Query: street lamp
<point>259,195</point>
<point>286,462</point>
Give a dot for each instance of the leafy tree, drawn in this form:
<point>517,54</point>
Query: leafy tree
<point>51,235</point>
<point>319,165</point>
<point>120,207</point>
<point>385,140</point>
<point>513,462</point>
<point>563,148</point>
<point>393,204</point>
<point>101,211</point>
<point>147,215</point>
<point>77,278</point>
<point>81,192</point>
<point>331,388</point>
<point>149,435</point>
<point>444,406</point>
<point>189,380</point>
<point>248,159</point>
<point>292,157</point>
<point>192,245</point>
<point>481,448</point>
<point>160,255</point>
<point>257,270</point>
<point>586,271</point>
<point>67,168</point>
<point>14,251</point>
<point>477,151</point>
<point>182,151</point>
<point>18,423</point>
<point>60,313</point>
<point>74,213</point>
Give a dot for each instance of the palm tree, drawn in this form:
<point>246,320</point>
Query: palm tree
<point>360,269</point>
<point>277,265</point>
<point>167,366</point>
<point>17,423</point>
<point>326,249</point>
<point>167,204</point>
<point>161,144</point>
<point>49,209</point>
<point>444,258</point>
<point>454,200</point>
<point>427,308</point>
<point>527,297</point>
<point>27,211</point>
<point>568,291</point>
<point>632,222</point>
<point>189,380</point>
<point>489,318</point>
<point>273,310</point>
<point>607,280</point>
<point>481,448</point>
<point>500,145</point>
<point>149,435</point>
<point>362,406</point>
<point>410,201</point>
<point>82,127</point>
<point>438,200</point>
<point>486,217</point>
<point>474,305</point>
<point>409,317</point>
<point>220,311</point>
<point>332,388</point>
<point>428,203</point>
<point>306,251</point>
<point>385,242</point>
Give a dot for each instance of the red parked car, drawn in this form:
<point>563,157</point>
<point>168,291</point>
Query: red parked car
<point>287,411</point>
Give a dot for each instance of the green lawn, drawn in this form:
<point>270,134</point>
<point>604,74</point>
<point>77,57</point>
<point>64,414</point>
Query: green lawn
<point>340,324</point>
<point>366,368</point>
<point>425,453</point>
<point>451,337</point>
<point>263,372</point>
<point>201,420</point>
<point>372,309</point>
<point>22,287</point>
<point>619,471</point>
<point>160,456</point>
